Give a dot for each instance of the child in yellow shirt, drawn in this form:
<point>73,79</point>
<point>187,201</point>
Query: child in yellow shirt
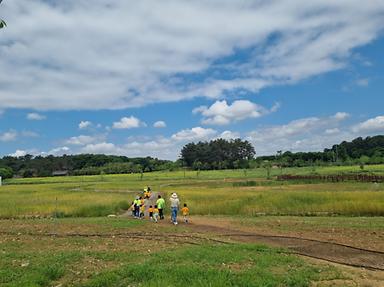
<point>155,214</point>
<point>150,212</point>
<point>185,212</point>
<point>142,210</point>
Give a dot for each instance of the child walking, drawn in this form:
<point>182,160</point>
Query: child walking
<point>142,210</point>
<point>155,214</point>
<point>185,212</point>
<point>150,212</point>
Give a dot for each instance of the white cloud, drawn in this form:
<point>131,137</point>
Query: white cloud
<point>160,147</point>
<point>228,135</point>
<point>8,136</point>
<point>340,116</point>
<point>306,134</point>
<point>102,148</point>
<point>131,53</point>
<point>160,124</point>
<point>372,125</point>
<point>81,140</point>
<point>332,131</point>
<point>128,123</point>
<point>275,107</point>
<point>220,113</point>
<point>193,134</point>
<point>35,117</point>
<point>18,153</point>
<point>292,128</point>
<point>58,151</point>
<point>84,124</point>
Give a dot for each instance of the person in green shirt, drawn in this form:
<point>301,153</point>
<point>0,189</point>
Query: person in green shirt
<point>160,205</point>
<point>137,203</point>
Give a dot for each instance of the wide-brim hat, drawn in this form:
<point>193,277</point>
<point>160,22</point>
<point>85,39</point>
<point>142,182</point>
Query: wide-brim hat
<point>174,195</point>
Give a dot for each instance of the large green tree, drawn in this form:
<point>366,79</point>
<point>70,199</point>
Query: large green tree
<point>218,154</point>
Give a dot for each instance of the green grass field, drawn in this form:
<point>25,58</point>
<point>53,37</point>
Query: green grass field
<point>113,261</point>
<point>232,192</point>
<point>31,210</point>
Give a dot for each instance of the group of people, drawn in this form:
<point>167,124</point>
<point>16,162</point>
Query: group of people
<point>141,205</point>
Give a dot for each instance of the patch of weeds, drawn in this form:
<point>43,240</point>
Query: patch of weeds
<point>245,183</point>
<point>58,214</point>
<point>53,272</point>
<point>94,210</point>
<point>122,205</point>
<point>38,269</point>
<point>101,209</point>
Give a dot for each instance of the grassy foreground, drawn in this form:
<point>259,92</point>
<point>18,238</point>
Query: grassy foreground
<point>29,259</point>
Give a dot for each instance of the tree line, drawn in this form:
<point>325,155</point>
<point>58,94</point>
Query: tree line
<point>358,151</point>
<point>215,154</point>
<point>82,164</point>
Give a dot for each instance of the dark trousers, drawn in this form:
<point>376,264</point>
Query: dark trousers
<point>161,215</point>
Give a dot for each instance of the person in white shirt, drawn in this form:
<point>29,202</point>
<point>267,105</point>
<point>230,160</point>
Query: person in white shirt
<point>175,204</point>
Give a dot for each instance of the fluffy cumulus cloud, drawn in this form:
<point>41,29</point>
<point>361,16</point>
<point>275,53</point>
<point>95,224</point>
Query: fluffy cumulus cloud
<point>18,153</point>
<point>156,147</point>
<point>119,54</point>
<point>35,117</point>
<point>193,134</point>
<point>306,134</point>
<point>371,125</point>
<point>84,125</point>
<point>220,113</point>
<point>160,124</point>
<point>128,123</point>
<point>8,136</point>
<point>13,135</point>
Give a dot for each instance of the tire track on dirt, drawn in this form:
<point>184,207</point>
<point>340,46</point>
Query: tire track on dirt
<point>329,251</point>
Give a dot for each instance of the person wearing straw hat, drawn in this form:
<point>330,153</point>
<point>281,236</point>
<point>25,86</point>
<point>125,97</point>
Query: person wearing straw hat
<point>175,203</point>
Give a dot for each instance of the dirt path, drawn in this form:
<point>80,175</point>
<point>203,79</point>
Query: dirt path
<point>148,202</point>
<point>329,251</point>
<point>346,254</point>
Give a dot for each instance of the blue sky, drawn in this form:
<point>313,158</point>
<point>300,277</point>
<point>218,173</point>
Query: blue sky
<point>138,79</point>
